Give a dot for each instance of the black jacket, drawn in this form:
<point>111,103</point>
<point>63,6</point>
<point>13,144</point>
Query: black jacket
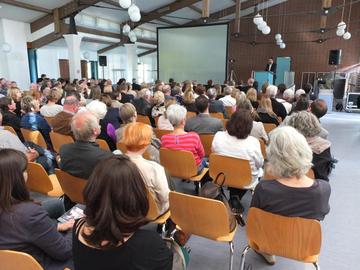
<point>278,108</point>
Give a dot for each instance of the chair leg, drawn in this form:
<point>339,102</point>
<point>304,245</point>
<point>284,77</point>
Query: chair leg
<point>243,255</point>
<point>316,265</point>
<point>231,244</point>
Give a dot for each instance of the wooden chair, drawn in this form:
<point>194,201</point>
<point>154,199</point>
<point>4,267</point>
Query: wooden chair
<point>237,171</point>
<point>154,216</point>
<point>190,114</point>
<point>156,119</point>
<point>206,140</point>
<point>103,144</point>
<point>290,237</point>
<point>161,132</point>
<point>11,260</point>
<point>181,164</point>
<point>143,119</point>
<point>268,176</point>
<point>72,186</point>
<point>217,115</point>
<point>225,122</point>
<point>49,120</point>
<point>39,181</point>
<point>10,129</point>
<point>58,140</point>
<point>263,148</point>
<point>269,127</point>
<point>202,217</point>
<point>229,111</point>
<point>34,136</point>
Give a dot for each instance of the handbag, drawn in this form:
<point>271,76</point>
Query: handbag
<point>214,190</point>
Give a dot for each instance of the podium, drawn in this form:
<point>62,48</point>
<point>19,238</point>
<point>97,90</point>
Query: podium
<point>263,76</point>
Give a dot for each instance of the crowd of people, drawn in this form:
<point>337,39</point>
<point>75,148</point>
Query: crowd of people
<point>118,183</point>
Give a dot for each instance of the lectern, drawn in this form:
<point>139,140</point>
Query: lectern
<point>263,76</point>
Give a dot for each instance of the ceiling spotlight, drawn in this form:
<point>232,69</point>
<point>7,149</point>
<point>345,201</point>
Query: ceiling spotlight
<point>325,11</point>
<point>322,30</point>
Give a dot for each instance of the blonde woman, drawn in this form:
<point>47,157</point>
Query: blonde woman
<point>265,112</point>
<point>159,107</point>
<point>251,95</point>
<point>15,94</point>
<point>189,100</point>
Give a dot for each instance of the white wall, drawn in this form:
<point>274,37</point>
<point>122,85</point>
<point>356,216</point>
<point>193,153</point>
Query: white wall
<point>14,65</point>
<point>149,72</point>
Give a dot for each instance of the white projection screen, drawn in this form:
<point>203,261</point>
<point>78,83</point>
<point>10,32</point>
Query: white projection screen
<point>193,53</point>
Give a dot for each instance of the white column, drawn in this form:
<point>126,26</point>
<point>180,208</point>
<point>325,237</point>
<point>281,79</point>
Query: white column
<point>73,44</point>
<point>131,62</point>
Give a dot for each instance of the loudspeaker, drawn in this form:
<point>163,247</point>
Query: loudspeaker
<point>335,57</point>
<point>102,61</point>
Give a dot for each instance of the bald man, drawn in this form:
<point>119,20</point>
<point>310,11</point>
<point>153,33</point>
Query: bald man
<point>80,158</point>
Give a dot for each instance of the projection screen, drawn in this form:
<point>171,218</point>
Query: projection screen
<point>193,53</point>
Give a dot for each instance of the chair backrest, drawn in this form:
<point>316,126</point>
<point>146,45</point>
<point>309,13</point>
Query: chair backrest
<point>39,181</point>
<point>217,115</point>
<point>263,148</point>
<point>121,146</point>
<point>206,141</point>
<point>178,163</point>
<point>143,119</point>
<point>237,171</point>
<point>291,237</point>
<point>34,136</point>
<point>10,129</point>
<point>269,127</point>
<point>161,132</point>
<point>49,120</point>
<point>190,114</point>
<point>200,216</point>
<point>58,140</point>
<point>225,122</point>
<point>72,186</point>
<point>153,209</point>
<point>103,144</point>
<point>229,110</point>
<point>17,260</point>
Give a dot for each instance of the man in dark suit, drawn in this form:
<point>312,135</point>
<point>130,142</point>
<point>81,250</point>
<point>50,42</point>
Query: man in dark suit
<point>135,85</point>
<point>215,105</point>
<point>271,67</point>
<point>80,158</point>
<point>203,123</point>
<point>62,121</point>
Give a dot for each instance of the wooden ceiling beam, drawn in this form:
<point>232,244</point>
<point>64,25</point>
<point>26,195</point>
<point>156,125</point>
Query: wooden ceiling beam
<point>111,47</point>
<point>26,6</point>
<point>147,52</point>
<point>195,8</point>
<point>168,22</point>
<point>323,20</point>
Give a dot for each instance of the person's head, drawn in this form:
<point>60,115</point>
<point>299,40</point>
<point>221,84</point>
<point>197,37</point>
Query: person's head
<point>137,137</point>
<point>265,103</point>
<point>271,61</point>
<point>14,93</point>
<point>228,90</point>
<point>95,92</point>
<point>29,104</point>
<point>176,91</point>
<point>251,94</point>
<point>250,82</point>
<point>318,108</point>
<point>264,87</point>
<point>218,89</point>
<point>210,83</point>
<point>176,115</point>
<point>202,104</point>
<point>306,123</point>
<point>106,99</point>
<point>281,88</point>
<point>240,124</point>
<point>288,95</point>
<point>307,88</point>
<point>127,113</point>
<point>54,95</point>
<point>189,96</point>
<point>71,104</point>
<point>271,91</point>
<point>108,89</point>
<point>211,93</point>
<point>159,98</point>
<point>98,108</point>
<point>245,105</point>
<point>299,92</point>
<point>85,126</point>
<point>288,153</point>
<point>238,95</point>
<point>187,86</point>
<point>302,104</point>
<point>116,200</point>
<point>13,176</point>
<point>7,104</point>
<point>166,89</point>
<point>200,89</point>
<point>145,94</point>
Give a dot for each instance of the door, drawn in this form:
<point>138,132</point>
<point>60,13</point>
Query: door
<point>64,69</point>
<point>84,69</point>
<point>282,65</point>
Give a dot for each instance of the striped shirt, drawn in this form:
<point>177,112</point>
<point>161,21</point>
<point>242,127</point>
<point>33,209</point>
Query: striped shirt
<point>188,142</point>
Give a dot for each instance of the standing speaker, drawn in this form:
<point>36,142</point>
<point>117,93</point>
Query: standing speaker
<point>335,57</point>
<point>102,61</point>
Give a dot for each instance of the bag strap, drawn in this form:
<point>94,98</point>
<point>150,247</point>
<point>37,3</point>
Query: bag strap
<point>217,177</point>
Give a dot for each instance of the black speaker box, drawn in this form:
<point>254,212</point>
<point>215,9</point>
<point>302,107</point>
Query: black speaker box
<point>335,57</point>
<point>102,61</point>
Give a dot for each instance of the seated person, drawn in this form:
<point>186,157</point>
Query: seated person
<point>228,100</point>
<point>251,95</point>
<point>137,137</point>
<point>163,121</point>
<point>302,104</point>
<point>25,225</point>
<point>52,108</point>
<point>291,193</point>
<point>8,106</point>
<point>143,105</point>
<point>33,120</point>
<point>277,107</point>
<point>189,100</point>
<point>79,158</point>
<point>112,114</point>
<point>179,139</point>
<point>319,108</point>
<point>236,142</point>
<point>265,112</point>
<point>159,104</point>
<point>109,236</point>
<point>203,123</point>
<point>308,125</point>
<point>215,105</point>
<point>62,121</point>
